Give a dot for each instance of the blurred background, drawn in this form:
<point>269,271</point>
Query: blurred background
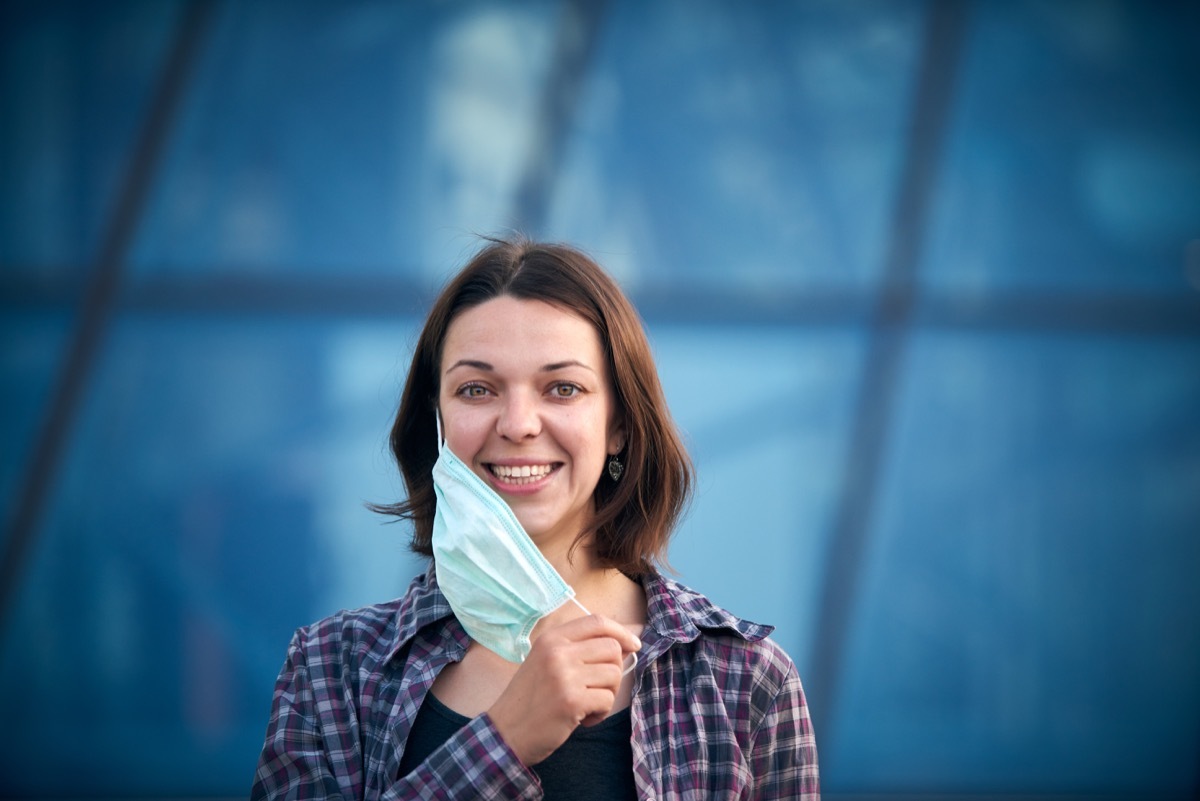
<point>922,279</point>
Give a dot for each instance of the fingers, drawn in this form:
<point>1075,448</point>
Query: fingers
<point>572,676</point>
<point>555,690</point>
<point>598,650</point>
<point>597,626</point>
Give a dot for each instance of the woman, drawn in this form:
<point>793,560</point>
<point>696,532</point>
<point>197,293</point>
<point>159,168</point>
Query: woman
<point>542,654</point>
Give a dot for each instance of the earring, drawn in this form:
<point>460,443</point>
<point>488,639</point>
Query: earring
<point>615,468</point>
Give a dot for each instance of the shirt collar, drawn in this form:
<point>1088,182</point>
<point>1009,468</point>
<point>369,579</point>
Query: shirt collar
<point>679,614</point>
<point>423,604</point>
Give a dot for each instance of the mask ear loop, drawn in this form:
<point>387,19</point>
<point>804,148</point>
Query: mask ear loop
<point>633,659</point>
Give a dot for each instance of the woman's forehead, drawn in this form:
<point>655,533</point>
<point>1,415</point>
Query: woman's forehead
<point>513,330</point>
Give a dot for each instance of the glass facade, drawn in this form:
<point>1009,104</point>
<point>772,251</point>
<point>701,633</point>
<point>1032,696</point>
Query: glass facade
<point>922,280</point>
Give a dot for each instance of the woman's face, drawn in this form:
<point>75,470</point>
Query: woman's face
<point>526,402</point>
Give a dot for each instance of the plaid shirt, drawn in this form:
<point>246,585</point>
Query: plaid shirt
<point>717,711</point>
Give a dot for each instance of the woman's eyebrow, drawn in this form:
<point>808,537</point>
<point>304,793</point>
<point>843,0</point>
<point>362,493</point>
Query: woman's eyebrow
<point>550,368</point>
<point>478,365</point>
<point>546,368</point>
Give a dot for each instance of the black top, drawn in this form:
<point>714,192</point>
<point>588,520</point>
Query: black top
<point>594,764</point>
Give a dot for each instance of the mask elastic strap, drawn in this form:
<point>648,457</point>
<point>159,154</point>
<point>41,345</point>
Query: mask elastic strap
<point>633,660</point>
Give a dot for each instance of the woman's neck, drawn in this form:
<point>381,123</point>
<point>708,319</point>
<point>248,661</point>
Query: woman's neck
<point>598,589</point>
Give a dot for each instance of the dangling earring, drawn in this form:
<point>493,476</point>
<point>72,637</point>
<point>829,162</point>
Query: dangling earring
<point>615,468</point>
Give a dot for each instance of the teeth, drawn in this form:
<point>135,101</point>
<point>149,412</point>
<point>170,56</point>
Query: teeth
<point>524,474</point>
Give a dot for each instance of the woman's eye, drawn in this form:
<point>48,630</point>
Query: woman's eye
<point>473,391</point>
<point>566,390</point>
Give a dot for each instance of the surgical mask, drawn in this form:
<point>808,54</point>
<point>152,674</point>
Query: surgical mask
<point>497,581</point>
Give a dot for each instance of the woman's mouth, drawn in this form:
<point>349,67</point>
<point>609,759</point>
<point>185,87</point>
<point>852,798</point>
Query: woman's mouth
<point>518,475</point>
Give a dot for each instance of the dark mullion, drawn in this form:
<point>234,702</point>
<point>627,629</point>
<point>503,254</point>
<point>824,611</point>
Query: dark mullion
<point>578,30</point>
<point>99,301</point>
<point>884,361</point>
<point>1042,311</point>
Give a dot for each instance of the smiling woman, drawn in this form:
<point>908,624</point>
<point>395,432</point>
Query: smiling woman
<point>633,519</point>
<point>527,402</point>
<point>542,468</point>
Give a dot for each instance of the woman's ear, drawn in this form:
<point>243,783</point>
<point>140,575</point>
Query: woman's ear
<point>616,438</point>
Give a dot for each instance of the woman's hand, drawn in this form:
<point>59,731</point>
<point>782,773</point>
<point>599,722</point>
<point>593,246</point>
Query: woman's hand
<point>571,677</point>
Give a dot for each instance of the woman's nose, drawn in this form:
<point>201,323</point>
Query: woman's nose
<point>519,418</point>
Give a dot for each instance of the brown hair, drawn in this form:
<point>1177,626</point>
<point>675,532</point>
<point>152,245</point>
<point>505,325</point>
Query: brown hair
<point>634,516</point>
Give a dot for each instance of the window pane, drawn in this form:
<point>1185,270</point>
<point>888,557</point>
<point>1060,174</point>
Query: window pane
<point>425,112</point>
<point>32,346</point>
<point>1072,161</point>
<point>765,413</point>
<point>1030,605</point>
<point>211,503</point>
<point>75,81</point>
<point>732,144</point>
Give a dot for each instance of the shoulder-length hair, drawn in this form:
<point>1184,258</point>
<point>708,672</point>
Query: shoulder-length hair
<point>634,517</point>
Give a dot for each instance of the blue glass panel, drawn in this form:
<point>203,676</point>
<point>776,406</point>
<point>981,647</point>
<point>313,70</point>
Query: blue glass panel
<point>747,144</point>
<point>31,352</point>
<point>1031,615</point>
<point>765,414</point>
<point>335,137</point>
<point>212,502</point>
<point>1073,160</point>
<point>75,80</point>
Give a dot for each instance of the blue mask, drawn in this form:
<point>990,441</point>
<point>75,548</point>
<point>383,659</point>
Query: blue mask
<point>497,581</point>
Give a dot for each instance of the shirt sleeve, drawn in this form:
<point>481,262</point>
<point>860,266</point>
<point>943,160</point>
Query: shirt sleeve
<point>784,755</point>
<point>296,762</point>
<point>475,763</point>
<point>312,752</point>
